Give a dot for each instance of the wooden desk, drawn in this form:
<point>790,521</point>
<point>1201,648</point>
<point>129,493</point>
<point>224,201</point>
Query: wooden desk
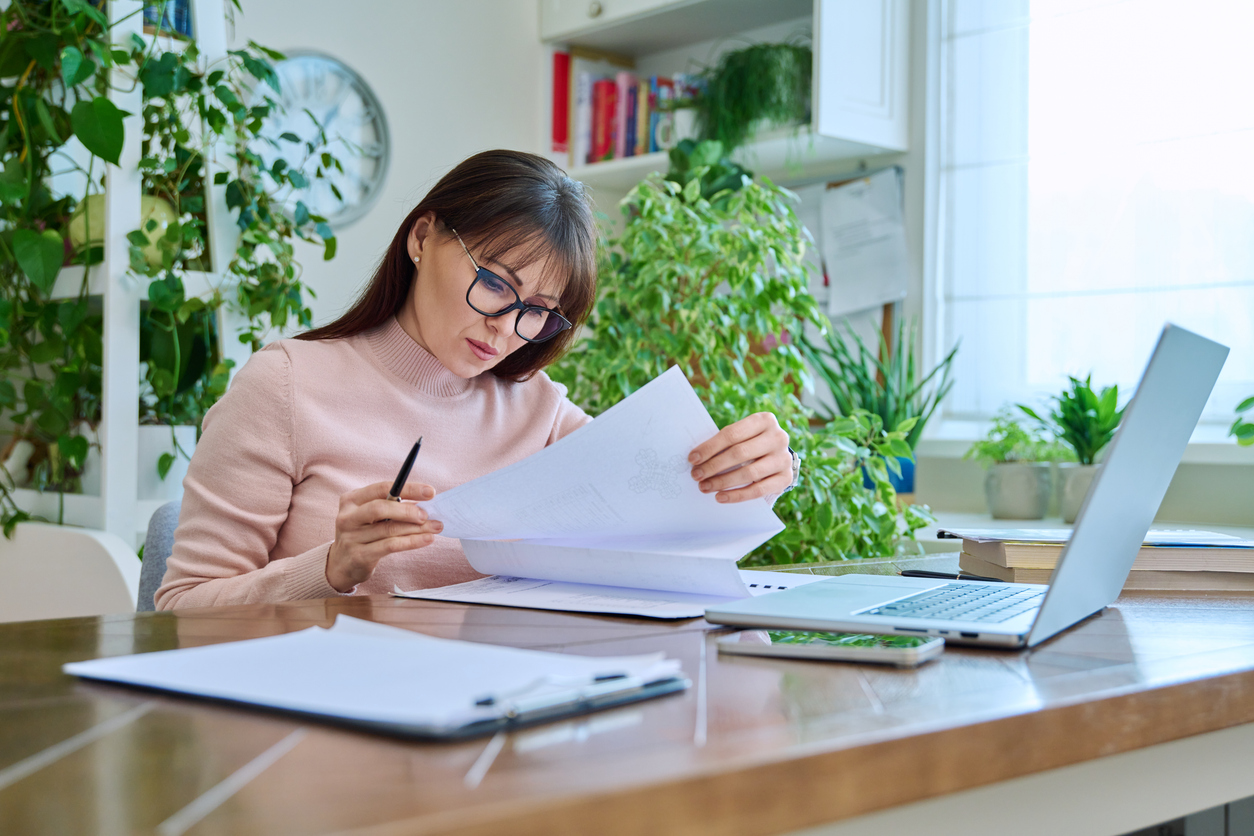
<point>756,746</point>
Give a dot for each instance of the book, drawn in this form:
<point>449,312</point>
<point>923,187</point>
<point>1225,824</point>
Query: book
<point>604,107</point>
<point>622,107</point>
<point>396,681</point>
<point>609,520</point>
<point>1137,579</point>
<point>581,126</point>
<point>1183,550</point>
<point>662,120</point>
<point>633,100</point>
<point>561,103</point>
<point>642,117</point>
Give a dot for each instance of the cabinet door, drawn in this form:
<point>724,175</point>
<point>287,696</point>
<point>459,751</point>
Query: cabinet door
<point>862,65</point>
<point>561,19</point>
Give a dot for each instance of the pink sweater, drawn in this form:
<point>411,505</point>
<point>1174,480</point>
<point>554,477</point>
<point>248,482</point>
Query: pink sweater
<point>305,422</point>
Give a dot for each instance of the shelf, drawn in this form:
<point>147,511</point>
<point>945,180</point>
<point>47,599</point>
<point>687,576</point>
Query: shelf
<point>70,282</point>
<point>785,156</point>
<point>643,28</point>
<point>83,510</point>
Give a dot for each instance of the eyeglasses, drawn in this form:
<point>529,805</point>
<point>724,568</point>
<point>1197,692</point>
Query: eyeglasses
<point>491,295</point>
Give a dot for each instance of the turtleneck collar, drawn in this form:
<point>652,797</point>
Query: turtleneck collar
<point>399,354</point>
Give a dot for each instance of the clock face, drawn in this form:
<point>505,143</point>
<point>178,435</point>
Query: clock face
<point>356,132</point>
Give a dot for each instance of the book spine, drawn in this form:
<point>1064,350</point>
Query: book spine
<point>603,108</point>
<point>561,103</point>
<point>582,138</point>
<point>642,117</point>
<point>629,140</point>
<point>621,92</point>
<point>663,125</point>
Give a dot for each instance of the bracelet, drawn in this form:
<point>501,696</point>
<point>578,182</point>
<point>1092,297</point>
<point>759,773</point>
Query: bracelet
<point>796,470</point>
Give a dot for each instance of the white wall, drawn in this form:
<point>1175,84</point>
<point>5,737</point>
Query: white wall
<point>454,78</point>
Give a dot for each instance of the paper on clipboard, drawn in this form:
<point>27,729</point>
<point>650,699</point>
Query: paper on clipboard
<point>864,243</point>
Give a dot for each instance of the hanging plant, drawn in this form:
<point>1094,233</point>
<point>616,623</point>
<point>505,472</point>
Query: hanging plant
<point>55,63</point>
<point>760,84</point>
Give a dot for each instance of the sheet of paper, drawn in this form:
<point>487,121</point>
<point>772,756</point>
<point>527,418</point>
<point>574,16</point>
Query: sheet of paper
<point>864,243</point>
<point>1163,537</point>
<point>701,567</point>
<point>536,594</point>
<point>357,671</point>
<point>624,474</point>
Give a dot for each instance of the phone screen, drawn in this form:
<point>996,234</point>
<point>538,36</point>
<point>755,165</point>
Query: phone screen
<point>844,639</point>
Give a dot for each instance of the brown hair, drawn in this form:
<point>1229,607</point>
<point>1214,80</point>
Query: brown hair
<point>499,202</point>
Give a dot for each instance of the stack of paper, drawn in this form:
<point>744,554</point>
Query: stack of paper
<point>609,520</point>
<point>393,680</point>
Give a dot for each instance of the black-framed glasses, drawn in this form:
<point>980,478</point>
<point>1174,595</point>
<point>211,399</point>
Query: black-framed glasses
<point>491,295</point>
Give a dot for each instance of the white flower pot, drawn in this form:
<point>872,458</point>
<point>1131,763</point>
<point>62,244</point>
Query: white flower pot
<point>1018,490</point>
<point>1076,481</point>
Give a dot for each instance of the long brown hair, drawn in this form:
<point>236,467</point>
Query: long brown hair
<point>499,202</point>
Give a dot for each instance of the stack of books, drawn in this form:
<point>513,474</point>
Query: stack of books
<point>1189,560</point>
<point>603,113</point>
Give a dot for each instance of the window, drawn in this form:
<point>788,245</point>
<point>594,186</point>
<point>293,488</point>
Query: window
<point>1097,180</point>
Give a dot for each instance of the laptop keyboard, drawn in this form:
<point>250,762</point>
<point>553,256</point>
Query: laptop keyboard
<point>987,602</point>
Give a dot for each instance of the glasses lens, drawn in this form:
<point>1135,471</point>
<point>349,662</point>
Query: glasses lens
<point>490,294</point>
<point>538,324</point>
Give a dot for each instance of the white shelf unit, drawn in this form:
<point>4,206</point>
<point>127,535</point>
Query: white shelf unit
<point>861,68</point>
<point>118,509</point>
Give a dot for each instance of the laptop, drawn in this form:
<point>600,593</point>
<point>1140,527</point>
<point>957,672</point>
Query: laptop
<point>1093,566</point>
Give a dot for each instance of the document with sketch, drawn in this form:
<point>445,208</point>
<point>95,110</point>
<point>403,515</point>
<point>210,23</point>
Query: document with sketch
<point>609,520</point>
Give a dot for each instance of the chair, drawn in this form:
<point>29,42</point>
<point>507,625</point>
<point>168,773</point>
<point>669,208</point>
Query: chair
<point>59,571</point>
<point>158,544</point>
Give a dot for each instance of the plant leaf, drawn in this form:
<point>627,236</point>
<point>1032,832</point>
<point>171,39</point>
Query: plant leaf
<point>39,254</point>
<point>75,67</point>
<point>98,125</point>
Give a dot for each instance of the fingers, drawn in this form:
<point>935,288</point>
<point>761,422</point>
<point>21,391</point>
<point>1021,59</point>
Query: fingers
<point>765,468</point>
<point>379,490</point>
<point>752,451</point>
<point>732,434</point>
<point>767,487</point>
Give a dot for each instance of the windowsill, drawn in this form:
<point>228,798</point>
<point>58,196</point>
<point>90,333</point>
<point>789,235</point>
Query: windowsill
<point>1210,443</point>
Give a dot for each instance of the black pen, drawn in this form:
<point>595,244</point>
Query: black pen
<point>403,476</point>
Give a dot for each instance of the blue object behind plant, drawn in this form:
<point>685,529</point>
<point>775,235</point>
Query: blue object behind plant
<point>902,484</point>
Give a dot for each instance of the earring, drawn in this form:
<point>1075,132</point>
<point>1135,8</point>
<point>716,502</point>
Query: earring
<point>417,258</point>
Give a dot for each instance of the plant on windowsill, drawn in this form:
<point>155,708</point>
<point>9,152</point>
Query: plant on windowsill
<point>1242,429</point>
<point>888,384</point>
<point>707,281</point>
<point>1084,421</point>
<point>59,54</point>
<point>1020,465</point>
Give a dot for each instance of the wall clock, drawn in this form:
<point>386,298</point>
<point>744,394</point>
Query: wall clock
<point>356,129</point>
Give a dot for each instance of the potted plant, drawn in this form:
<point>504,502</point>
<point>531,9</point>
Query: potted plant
<point>708,280</point>
<point>1242,429</point>
<point>1085,421</point>
<point>888,384</point>
<point>759,85</point>
<point>1020,464</point>
<point>193,113</point>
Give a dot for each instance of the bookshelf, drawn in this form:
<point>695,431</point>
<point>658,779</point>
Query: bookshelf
<point>861,64</point>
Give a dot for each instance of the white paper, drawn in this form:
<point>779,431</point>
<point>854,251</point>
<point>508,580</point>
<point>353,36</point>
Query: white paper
<point>368,673</point>
<point>533,593</point>
<point>624,474</point>
<point>864,243</point>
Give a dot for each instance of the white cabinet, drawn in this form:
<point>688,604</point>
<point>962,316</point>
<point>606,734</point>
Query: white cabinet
<point>861,69</point>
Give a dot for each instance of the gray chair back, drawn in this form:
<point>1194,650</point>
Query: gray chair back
<point>158,544</point>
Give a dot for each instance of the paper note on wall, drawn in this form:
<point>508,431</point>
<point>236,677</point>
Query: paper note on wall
<point>864,243</point>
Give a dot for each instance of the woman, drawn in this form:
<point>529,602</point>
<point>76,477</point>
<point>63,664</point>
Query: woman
<point>483,286</point>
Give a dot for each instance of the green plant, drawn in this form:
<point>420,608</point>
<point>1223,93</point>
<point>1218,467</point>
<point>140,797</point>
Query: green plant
<point>1082,419</point>
<point>57,59</point>
<point>1242,429</point>
<point>762,82</point>
<point>712,284</point>
<point>1009,441</point>
<point>885,383</point>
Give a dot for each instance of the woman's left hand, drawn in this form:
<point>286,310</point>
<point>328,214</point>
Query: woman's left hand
<point>745,460</point>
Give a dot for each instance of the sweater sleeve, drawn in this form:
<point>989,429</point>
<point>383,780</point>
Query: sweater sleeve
<point>569,417</point>
<point>236,497</point>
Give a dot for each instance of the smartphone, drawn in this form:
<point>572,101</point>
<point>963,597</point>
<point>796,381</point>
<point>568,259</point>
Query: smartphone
<point>901,651</point>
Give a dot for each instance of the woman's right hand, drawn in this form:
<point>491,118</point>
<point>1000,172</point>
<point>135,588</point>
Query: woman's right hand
<point>369,527</point>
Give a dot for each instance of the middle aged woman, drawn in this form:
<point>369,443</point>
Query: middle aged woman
<point>484,284</point>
